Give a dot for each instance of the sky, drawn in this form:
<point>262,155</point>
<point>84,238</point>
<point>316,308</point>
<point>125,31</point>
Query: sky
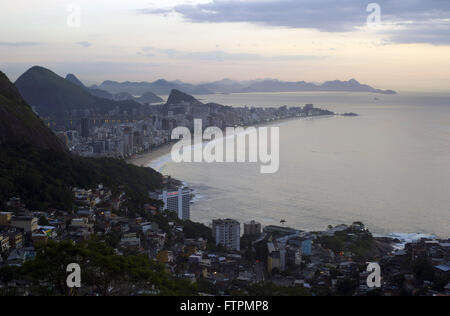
<point>389,44</point>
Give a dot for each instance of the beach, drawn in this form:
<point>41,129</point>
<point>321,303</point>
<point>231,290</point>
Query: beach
<point>146,159</point>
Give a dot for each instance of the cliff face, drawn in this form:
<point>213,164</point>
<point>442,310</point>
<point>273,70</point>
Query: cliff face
<point>19,124</point>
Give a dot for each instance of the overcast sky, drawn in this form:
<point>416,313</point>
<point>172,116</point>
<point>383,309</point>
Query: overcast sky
<point>408,48</point>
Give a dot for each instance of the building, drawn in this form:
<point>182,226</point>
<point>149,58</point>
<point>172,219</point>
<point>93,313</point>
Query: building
<point>13,235</point>
<point>252,229</point>
<point>279,230</point>
<point>5,218</point>
<point>227,232</point>
<point>293,257</point>
<point>27,223</point>
<point>276,258</point>
<point>4,243</point>
<point>85,127</point>
<point>178,201</point>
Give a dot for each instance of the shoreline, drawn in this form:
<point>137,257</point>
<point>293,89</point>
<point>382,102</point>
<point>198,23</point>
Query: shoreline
<point>146,159</point>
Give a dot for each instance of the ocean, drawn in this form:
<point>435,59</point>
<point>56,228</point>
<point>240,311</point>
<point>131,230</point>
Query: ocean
<point>389,167</point>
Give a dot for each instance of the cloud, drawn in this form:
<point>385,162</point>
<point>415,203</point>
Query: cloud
<point>326,15</point>
<point>436,33</point>
<point>19,44</point>
<point>84,44</point>
<point>220,56</point>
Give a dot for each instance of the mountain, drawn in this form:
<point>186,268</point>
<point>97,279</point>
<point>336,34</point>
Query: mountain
<point>72,78</point>
<point>164,87</point>
<point>178,97</point>
<point>93,91</point>
<point>122,96</point>
<point>52,95</point>
<point>270,85</point>
<point>38,168</point>
<point>351,86</point>
<point>149,97</point>
<point>19,124</point>
<point>159,87</point>
<point>101,93</point>
<point>145,98</point>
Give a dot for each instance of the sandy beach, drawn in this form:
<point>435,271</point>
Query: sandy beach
<point>145,159</point>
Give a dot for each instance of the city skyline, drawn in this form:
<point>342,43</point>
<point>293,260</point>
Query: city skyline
<point>201,41</point>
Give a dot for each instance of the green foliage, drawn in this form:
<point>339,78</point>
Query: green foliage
<point>346,287</point>
<point>361,243</point>
<point>44,178</point>
<point>43,221</point>
<point>103,271</point>
<point>196,230</point>
<point>206,286</point>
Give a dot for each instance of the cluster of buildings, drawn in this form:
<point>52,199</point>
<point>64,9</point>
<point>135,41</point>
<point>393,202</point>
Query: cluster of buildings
<point>291,258</point>
<point>118,140</point>
<point>232,256</point>
<point>123,136</point>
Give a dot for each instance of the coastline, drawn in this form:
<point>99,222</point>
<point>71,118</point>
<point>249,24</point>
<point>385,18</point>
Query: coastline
<point>146,159</point>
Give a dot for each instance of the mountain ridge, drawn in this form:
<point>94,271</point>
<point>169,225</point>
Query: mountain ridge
<point>52,95</point>
<point>164,87</point>
<point>146,98</point>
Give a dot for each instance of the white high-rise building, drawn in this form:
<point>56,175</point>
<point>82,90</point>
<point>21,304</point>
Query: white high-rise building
<point>227,232</point>
<point>178,201</point>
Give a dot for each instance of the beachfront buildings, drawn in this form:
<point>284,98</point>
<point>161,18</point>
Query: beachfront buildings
<point>227,232</point>
<point>252,229</point>
<point>178,201</point>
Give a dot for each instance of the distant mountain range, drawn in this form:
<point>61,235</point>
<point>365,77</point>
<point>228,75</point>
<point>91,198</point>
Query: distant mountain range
<point>52,95</point>
<point>163,87</point>
<point>146,97</point>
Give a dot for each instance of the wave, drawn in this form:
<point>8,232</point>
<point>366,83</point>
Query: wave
<point>406,238</point>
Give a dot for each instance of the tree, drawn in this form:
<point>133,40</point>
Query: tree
<point>103,271</point>
<point>43,221</point>
<point>346,287</point>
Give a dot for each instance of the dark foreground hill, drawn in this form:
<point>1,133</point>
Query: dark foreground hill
<point>37,167</point>
<point>19,125</point>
